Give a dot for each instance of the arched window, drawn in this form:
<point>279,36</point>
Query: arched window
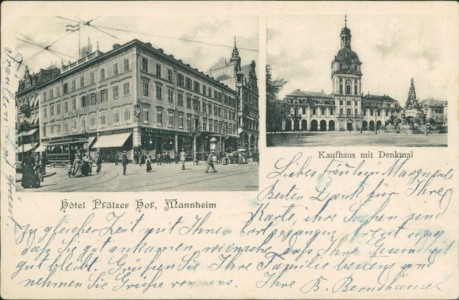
<point>348,87</point>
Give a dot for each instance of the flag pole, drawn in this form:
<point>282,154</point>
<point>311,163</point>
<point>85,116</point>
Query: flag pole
<point>79,31</point>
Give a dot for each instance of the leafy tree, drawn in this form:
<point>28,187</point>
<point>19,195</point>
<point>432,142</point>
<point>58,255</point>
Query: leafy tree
<point>275,107</point>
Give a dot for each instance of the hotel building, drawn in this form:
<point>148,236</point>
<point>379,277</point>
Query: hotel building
<point>137,98</point>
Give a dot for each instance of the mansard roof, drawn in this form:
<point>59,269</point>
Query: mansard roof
<point>433,102</point>
<point>299,93</point>
<point>379,98</point>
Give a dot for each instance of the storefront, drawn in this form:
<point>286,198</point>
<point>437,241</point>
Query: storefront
<point>111,144</point>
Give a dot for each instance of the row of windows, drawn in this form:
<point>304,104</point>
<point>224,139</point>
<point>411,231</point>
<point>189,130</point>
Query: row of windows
<point>207,124</point>
<point>322,111</point>
<point>66,88</point>
<point>187,83</point>
<point>86,100</point>
<point>348,87</point>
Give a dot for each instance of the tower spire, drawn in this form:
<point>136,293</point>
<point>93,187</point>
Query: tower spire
<point>235,54</point>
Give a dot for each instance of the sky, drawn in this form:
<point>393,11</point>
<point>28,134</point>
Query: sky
<point>392,48</point>
<point>207,29</point>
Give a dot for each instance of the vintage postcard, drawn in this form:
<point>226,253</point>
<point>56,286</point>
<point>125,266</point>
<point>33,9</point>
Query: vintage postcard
<point>241,150</point>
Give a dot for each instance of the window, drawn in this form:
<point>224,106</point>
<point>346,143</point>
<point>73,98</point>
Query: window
<point>204,91</point>
<point>84,101</point>
<point>126,88</point>
<point>115,69</point>
<point>356,111</point>
<point>146,116</point>
<point>51,94</point>
<point>210,124</point>
<point>387,113</point>
<point>314,111</point>
<point>196,104</point>
<point>180,99</point>
<point>51,110</point>
<point>371,112</point>
<point>74,103</point>
<point>188,101</point>
<point>188,122</point>
<point>170,95</point>
<point>204,107</point>
<point>171,119</point>
<point>159,116</point>
<point>215,110</point>
<point>144,64</point>
<point>340,102</point>
<point>93,121</point>
<point>188,83</point>
<point>93,99</point>
<point>83,123</point>
<point>159,91</point>
<point>116,117</point>
<point>116,92</point>
<point>179,79</point>
<point>210,92</point>
<point>348,87</point>
<point>75,124</point>
<point>102,120</point>
<point>102,74</point>
<point>348,111</point>
<point>204,124</point>
<point>103,95</point>
<point>73,84</point>
<point>91,78</point>
<point>209,108</point>
<point>65,88</point>
<point>52,129</point>
<point>58,108</point>
<point>180,120</point>
<point>66,106</point>
<point>127,114</point>
<point>355,88</point>
<point>332,111</point>
<point>158,70</point>
<point>58,91</point>
<point>126,64</point>
<point>81,81</point>
<point>340,84</point>
<point>145,90</point>
<point>348,102</point>
<point>169,74</point>
<point>197,87</point>
<point>340,111</point>
<point>66,127</point>
<point>45,112</point>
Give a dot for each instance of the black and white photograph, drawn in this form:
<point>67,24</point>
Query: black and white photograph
<point>137,104</point>
<point>353,80</point>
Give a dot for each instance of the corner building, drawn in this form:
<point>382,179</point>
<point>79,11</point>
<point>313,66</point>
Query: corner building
<point>137,98</point>
<point>346,108</point>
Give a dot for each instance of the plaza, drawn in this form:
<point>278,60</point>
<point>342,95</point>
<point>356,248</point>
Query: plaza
<point>165,177</point>
<point>366,138</point>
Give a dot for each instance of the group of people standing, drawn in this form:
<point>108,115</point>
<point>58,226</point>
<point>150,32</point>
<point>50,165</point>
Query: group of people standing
<point>33,170</point>
<point>147,159</point>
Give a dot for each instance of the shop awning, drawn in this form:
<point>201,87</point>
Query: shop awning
<point>27,133</point>
<point>27,147</point>
<point>40,148</point>
<point>112,141</point>
<point>91,141</point>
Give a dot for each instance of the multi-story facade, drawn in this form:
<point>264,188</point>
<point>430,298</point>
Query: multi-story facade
<point>135,96</point>
<point>346,108</point>
<point>435,111</point>
<point>27,107</point>
<point>243,79</point>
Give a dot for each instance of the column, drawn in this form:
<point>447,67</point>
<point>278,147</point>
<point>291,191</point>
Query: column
<point>136,139</point>
<point>176,144</point>
<point>291,122</point>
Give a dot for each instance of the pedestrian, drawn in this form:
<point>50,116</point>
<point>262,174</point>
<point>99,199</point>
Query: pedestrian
<point>158,158</point>
<point>43,162</point>
<point>28,171</point>
<point>99,163</point>
<point>210,163</point>
<point>183,158</point>
<point>124,162</point>
<point>148,162</point>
